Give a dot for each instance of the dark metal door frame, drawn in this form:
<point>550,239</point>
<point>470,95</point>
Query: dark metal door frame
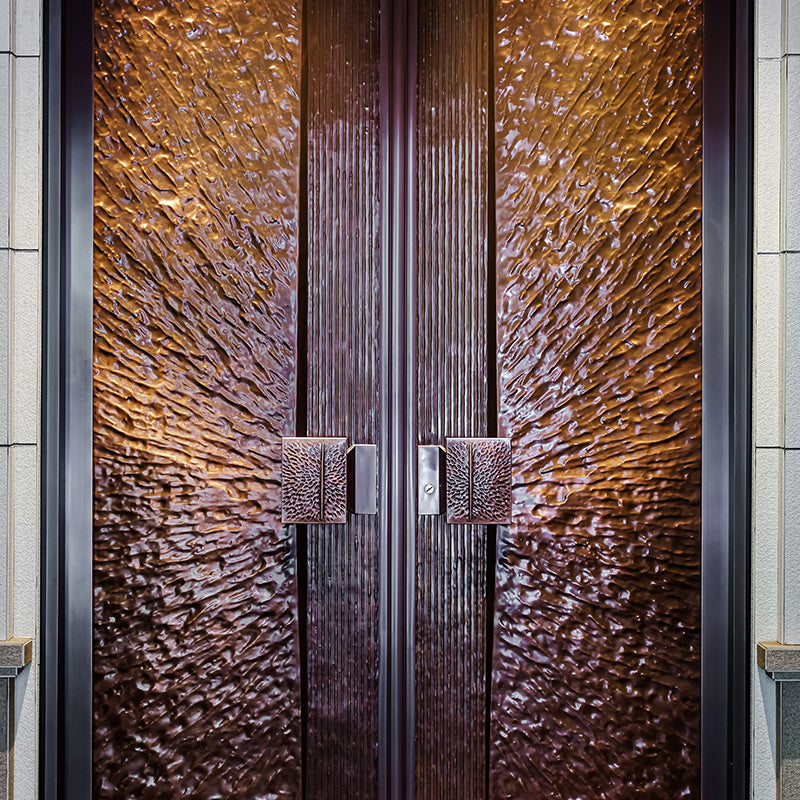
<point>727,373</point>
<point>66,708</point>
<point>397,464</point>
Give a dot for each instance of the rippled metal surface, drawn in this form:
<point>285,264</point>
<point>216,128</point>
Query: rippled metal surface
<point>596,652</point>
<point>197,690</point>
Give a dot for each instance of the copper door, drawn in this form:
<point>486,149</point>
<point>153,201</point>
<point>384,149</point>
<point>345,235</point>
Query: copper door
<point>576,644</point>
<point>551,293</point>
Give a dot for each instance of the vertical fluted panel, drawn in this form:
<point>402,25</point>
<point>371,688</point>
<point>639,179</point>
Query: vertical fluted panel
<point>197,151</point>
<point>343,387</point>
<point>451,383</point>
<point>596,676</point>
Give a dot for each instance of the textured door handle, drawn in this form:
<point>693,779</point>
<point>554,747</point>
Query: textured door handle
<point>469,478</point>
<point>321,478</point>
<point>479,481</point>
<point>314,480</point>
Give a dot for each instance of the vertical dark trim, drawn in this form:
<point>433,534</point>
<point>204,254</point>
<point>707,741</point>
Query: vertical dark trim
<point>400,706</point>
<point>492,388</point>
<point>301,366</point>
<point>301,388</point>
<point>408,356</point>
<point>491,573</point>
<point>397,464</point>
<point>50,722</point>
<point>67,404</point>
<point>301,556</point>
<point>385,478</point>
<point>52,713</point>
<point>727,294</point>
<point>742,72</point>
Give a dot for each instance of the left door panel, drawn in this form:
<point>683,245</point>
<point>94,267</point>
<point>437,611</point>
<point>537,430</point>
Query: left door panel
<point>197,651</point>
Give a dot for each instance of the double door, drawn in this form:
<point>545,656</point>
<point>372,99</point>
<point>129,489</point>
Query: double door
<point>441,264</point>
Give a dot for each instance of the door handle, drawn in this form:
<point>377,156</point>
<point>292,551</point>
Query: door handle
<point>322,478</point>
<point>469,478</point>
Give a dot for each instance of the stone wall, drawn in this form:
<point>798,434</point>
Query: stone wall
<point>776,490</point>
<point>20,324</point>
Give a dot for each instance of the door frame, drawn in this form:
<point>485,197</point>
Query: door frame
<point>66,467</point>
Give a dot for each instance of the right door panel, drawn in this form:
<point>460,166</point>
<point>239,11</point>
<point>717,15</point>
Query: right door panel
<point>560,226</point>
<point>596,663</point>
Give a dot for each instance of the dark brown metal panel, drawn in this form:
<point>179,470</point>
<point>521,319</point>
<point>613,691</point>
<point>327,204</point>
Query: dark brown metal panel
<point>344,315</point>
<point>451,389</point>
<point>197,686</point>
<point>596,645</point>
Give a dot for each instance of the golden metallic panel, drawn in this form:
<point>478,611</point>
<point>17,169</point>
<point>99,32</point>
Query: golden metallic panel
<point>596,644</point>
<point>197,149</point>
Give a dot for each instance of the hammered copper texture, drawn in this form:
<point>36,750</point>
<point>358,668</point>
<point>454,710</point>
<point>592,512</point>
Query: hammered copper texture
<point>451,385</point>
<point>344,325</point>
<point>334,481</point>
<point>197,147</point>
<point>491,481</point>
<point>459,480</point>
<point>479,481</point>
<point>301,480</point>
<point>597,639</point>
<point>313,480</point>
